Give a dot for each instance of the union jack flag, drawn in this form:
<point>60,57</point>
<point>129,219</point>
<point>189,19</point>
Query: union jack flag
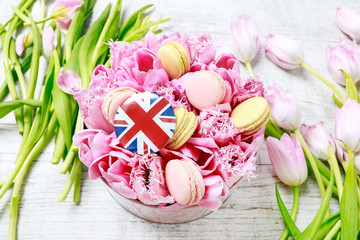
<point>144,123</point>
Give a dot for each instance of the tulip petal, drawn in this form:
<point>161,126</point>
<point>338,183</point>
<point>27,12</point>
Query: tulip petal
<point>48,38</point>
<point>69,81</point>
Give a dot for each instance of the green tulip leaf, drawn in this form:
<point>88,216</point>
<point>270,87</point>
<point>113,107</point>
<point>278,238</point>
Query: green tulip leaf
<point>327,226</point>
<point>8,106</point>
<point>272,131</point>
<point>48,86</point>
<point>88,45</point>
<point>337,101</point>
<point>126,26</point>
<point>108,32</point>
<point>314,226</point>
<point>73,62</point>
<point>76,27</point>
<point>295,232</point>
<point>348,203</point>
<point>351,90</point>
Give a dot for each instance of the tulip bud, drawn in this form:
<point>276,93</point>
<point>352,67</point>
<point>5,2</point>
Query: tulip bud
<point>344,57</point>
<point>287,158</point>
<point>283,106</point>
<point>347,126</point>
<point>64,11</point>
<point>342,154</point>
<point>284,51</point>
<point>48,44</point>
<point>348,20</point>
<point>22,42</point>
<point>245,38</point>
<point>317,139</point>
<point>19,44</point>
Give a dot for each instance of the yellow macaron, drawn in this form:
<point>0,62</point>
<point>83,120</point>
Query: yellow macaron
<point>175,59</point>
<point>186,123</point>
<point>251,115</point>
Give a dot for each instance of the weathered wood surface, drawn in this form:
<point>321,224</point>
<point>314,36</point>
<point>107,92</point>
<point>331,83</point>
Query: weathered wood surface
<point>251,212</point>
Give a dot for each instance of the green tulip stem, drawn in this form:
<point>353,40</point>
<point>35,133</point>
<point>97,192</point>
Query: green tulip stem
<point>14,206</point>
<point>2,28</point>
<point>43,14</point>
<point>21,15</point>
<point>73,149</point>
<point>333,230</point>
<point>294,210</point>
<point>275,125</point>
<point>345,167</point>
<point>324,80</point>
<point>2,183</point>
<point>3,90</point>
<point>77,186</point>
<point>312,163</point>
<point>76,168</point>
<point>68,160</point>
<point>40,22</point>
<point>17,67</point>
<point>334,165</point>
<point>8,73</point>
<point>35,62</point>
<point>249,68</point>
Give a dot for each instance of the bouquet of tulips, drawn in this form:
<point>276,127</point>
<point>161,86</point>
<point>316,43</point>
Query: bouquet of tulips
<point>295,148</point>
<point>60,39</point>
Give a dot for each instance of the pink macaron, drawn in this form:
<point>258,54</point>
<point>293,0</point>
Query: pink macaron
<point>184,182</point>
<point>205,89</point>
<point>113,100</point>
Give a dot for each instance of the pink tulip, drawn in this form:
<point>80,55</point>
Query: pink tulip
<point>217,125</point>
<point>317,139</point>
<point>215,188</point>
<point>348,20</point>
<point>283,106</point>
<point>283,51</point>
<point>343,156</point>
<point>245,38</point>
<point>344,57</point>
<point>19,44</point>
<point>347,126</point>
<point>148,180</point>
<point>48,43</point>
<point>247,88</point>
<point>64,11</point>
<point>287,158</point>
<point>69,81</point>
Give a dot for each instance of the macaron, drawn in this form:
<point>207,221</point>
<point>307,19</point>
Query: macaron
<point>186,123</point>
<point>184,182</point>
<point>205,89</point>
<point>113,100</point>
<point>251,115</point>
<point>174,59</point>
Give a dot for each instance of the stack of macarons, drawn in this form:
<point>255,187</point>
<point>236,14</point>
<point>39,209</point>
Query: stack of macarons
<point>203,90</point>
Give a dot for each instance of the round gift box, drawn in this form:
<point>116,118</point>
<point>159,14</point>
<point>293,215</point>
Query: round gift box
<point>155,214</point>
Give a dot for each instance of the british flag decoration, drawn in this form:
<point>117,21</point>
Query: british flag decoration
<point>145,123</point>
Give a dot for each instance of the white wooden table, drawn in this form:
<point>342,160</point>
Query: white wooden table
<point>251,212</point>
